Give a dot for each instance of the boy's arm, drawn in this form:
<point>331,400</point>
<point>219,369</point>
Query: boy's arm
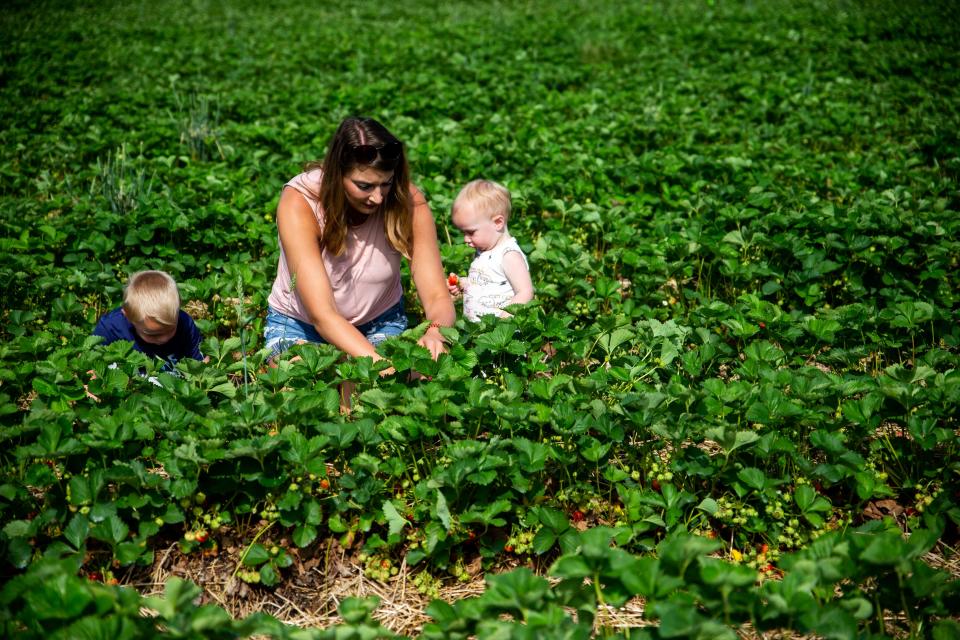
<point>518,275</point>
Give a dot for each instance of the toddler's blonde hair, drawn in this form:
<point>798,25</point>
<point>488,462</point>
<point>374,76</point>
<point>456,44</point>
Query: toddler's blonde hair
<point>489,197</point>
<point>153,295</point>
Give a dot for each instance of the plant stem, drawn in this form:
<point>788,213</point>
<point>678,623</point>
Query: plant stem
<point>250,546</point>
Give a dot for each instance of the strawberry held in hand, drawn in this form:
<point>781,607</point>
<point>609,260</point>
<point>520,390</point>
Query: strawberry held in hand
<point>453,285</point>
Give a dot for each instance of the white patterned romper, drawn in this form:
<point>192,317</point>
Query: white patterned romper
<point>488,289</point>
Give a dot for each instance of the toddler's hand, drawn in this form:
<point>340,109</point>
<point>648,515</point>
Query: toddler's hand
<point>453,285</point>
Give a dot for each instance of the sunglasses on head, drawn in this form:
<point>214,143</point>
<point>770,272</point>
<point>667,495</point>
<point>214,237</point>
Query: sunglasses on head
<point>367,153</point>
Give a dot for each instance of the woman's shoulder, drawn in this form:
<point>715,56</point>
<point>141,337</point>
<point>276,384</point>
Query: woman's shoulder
<point>417,197</point>
<point>307,181</point>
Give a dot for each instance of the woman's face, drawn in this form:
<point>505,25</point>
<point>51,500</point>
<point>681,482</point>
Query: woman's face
<point>367,188</point>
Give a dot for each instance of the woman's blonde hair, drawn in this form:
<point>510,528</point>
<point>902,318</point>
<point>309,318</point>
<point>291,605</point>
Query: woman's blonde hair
<point>342,157</point>
<point>153,295</point>
<point>489,198</point>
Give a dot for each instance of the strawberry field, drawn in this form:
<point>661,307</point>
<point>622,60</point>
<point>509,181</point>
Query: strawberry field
<point>733,405</point>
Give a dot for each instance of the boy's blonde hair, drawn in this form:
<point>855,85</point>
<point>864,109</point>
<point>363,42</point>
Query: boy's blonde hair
<point>153,295</point>
<point>489,197</point>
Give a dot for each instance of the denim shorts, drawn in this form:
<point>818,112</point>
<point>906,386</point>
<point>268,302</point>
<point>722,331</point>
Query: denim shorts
<point>282,332</point>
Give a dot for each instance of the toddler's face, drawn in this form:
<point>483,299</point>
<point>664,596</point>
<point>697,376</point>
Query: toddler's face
<point>479,231</point>
<point>152,332</point>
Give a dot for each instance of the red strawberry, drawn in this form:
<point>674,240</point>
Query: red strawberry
<point>452,279</point>
<point>577,516</point>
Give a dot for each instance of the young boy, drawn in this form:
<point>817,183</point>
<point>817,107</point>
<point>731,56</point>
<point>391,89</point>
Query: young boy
<point>152,320</point>
<point>499,274</point>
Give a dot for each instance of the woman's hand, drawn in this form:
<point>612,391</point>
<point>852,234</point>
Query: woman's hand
<point>433,341</point>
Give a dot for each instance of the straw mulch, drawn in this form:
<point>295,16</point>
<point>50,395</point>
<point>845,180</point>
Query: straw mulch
<point>319,580</point>
<point>325,574</point>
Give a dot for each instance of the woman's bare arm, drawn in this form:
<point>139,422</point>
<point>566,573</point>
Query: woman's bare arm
<point>428,276</point>
<point>300,238</point>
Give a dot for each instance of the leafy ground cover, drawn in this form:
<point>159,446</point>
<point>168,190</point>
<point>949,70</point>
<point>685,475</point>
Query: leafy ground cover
<point>736,397</point>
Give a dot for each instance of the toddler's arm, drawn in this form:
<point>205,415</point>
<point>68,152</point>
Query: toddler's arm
<point>515,268</point>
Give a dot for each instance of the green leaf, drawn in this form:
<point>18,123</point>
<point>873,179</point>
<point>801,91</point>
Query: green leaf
<point>641,577</point>
<point>517,590</point>
<point>397,522</point>
<point>60,598</point>
<point>753,478</point>
<point>677,620</point>
<point>312,512</point>
<point>112,530</point>
<point>544,540</point>
<point>102,511</point>
<point>813,519</point>
<point>859,608</point>
<point>734,237</point>
<point>19,552</point>
<point>885,549</point>
<point>709,505</point>
<point>610,341</point>
<point>553,518</point>
<point>946,630</point>
<point>570,567</point>
<point>209,618</point>
<point>594,449</point>
<point>833,622</point>
<point>129,552</point>
<point>256,555</point>
<point>18,528</point>
<point>804,496</point>
<point>304,535</point>
<point>443,513</point>
<point>268,575</point>
<point>719,573</point>
<point>356,611</point>
<point>77,531</point>
<point>225,388</point>
<point>335,524</point>
<point>378,398</point>
<point>730,439</point>
<point>178,595</point>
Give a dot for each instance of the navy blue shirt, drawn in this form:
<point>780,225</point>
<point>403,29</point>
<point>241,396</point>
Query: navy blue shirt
<point>185,343</point>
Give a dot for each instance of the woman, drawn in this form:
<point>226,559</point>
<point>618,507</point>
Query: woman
<point>344,225</point>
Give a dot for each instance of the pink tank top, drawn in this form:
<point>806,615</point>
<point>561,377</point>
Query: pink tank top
<point>365,277</point>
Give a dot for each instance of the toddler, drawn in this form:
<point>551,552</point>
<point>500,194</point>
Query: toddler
<point>499,274</point>
<point>152,320</point>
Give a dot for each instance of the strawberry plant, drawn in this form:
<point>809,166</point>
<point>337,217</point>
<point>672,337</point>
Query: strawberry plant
<point>735,395</point>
